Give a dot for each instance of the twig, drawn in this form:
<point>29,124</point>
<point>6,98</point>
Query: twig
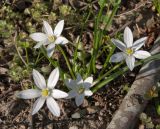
<point>5,94</point>
<point>14,40</point>
<point>138,28</point>
<point>120,29</point>
<point>130,11</point>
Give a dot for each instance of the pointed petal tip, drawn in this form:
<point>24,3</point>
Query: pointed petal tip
<point>88,82</point>
<point>57,69</point>
<point>119,44</point>
<point>118,57</point>
<point>61,40</point>
<point>72,94</point>
<point>28,94</point>
<point>79,99</point>
<point>47,28</point>
<point>145,37</point>
<point>34,71</point>
<point>131,69</point>
<point>141,54</point>
<point>113,39</point>
<point>88,93</point>
<point>35,47</point>
<point>38,36</point>
<point>58,94</point>
<point>50,49</point>
<point>62,21</point>
<point>53,106</point>
<point>33,113</point>
<point>53,78</point>
<point>38,105</point>
<point>44,21</point>
<point>38,79</point>
<point>139,43</point>
<point>127,29</point>
<point>128,37</point>
<point>130,61</point>
<point>59,28</point>
<point>49,54</point>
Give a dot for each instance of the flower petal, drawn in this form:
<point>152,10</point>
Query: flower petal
<point>59,27</point>
<point>70,83</point>
<point>38,104</point>
<point>38,37</point>
<point>130,60</point>
<point>72,94</point>
<point>61,40</point>
<point>29,94</point>
<point>39,79</point>
<point>39,44</point>
<point>119,44</point>
<point>79,99</point>
<point>88,82</point>
<point>46,42</point>
<point>53,78</point>
<point>139,43</point>
<point>88,92</point>
<point>79,79</point>
<point>50,49</point>
<point>58,94</point>
<point>142,54</point>
<point>117,57</point>
<point>53,106</point>
<point>47,28</point>
<point>128,37</point>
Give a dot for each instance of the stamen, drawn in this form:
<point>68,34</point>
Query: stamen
<point>129,51</point>
<point>45,92</point>
<point>51,38</point>
<point>81,90</point>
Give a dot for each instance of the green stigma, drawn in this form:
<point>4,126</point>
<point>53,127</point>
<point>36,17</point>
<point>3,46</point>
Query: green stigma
<point>129,51</point>
<point>51,38</point>
<point>81,90</point>
<point>45,92</point>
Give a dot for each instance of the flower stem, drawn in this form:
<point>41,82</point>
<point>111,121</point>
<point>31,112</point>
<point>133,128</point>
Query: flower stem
<point>37,59</point>
<point>107,73</point>
<point>27,59</point>
<point>107,60</point>
<point>67,61</point>
<point>49,59</point>
<point>116,6</point>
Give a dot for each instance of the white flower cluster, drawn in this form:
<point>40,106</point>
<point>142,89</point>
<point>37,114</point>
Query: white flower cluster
<point>79,88</point>
<point>47,92</point>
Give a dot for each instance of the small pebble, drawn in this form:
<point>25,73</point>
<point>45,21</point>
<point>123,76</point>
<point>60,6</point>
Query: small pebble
<point>73,127</point>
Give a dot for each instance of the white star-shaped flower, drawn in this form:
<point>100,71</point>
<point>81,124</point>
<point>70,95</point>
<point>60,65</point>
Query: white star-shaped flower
<point>44,92</point>
<point>49,37</point>
<point>130,50</point>
<point>79,88</point>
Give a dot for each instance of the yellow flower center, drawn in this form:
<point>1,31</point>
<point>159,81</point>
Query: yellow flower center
<point>81,90</point>
<point>51,38</point>
<point>45,92</point>
<point>129,51</point>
